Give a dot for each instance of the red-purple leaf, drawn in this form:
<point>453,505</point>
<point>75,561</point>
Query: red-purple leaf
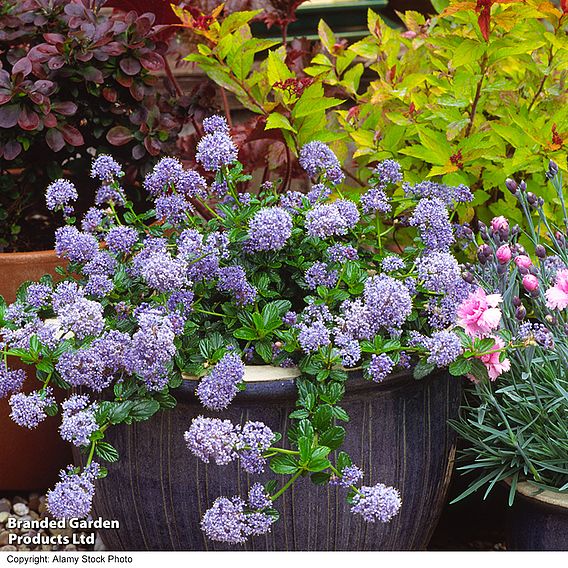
<point>138,152</point>
<point>113,48</point>
<point>12,149</point>
<point>28,119</point>
<point>130,66</point>
<point>54,38</point>
<point>5,97</point>
<point>152,146</point>
<point>49,120</point>
<point>119,135</point>
<point>23,66</point>
<point>72,135</point>
<point>110,94</point>
<point>56,63</point>
<point>45,87</point>
<point>152,61</point>
<point>9,116</point>
<point>54,139</point>
<point>66,108</point>
<point>137,91</point>
<point>123,80</point>
<point>93,75</point>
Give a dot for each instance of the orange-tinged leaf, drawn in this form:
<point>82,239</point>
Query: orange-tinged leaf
<point>459,7</point>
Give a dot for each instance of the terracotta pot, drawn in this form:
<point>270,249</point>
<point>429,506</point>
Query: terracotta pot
<point>538,520</point>
<point>398,434</point>
<point>30,459</point>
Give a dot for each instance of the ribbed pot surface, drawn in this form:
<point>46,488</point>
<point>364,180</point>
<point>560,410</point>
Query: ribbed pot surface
<point>398,434</point>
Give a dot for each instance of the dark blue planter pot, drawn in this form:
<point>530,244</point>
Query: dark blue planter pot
<point>538,521</point>
<point>398,434</point>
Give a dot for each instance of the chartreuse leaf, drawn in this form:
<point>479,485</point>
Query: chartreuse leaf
<point>236,20</point>
<point>277,120</point>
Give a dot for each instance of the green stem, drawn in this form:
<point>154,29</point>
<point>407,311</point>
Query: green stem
<point>283,451</point>
<point>290,482</point>
<point>206,312</point>
<point>91,454</point>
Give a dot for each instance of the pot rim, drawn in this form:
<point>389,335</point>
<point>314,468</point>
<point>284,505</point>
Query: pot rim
<point>24,257</point>
<point>532,492</point>
<point>284,389</point>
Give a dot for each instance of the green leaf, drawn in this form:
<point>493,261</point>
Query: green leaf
<point>423,369</point>
<point>143,409</point>
<point>326,36</point>
<point>305,449</point>
<point>333,438</point>
<point>236,20</point>
<point>277,120</point>
<point>106,452</point>
<point>460,367</point>
<point>343,461</point>
<point>264,350</point>
<point>322,417</point>
<point>276,68</point>
<point>319,461</point>
<point>308,106</point>
<point>284,464</point>
<point>246,333</point>
<point>320,477</point>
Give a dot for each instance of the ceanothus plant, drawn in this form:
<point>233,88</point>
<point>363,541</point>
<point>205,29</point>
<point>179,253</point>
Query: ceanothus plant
<point>292,280</point>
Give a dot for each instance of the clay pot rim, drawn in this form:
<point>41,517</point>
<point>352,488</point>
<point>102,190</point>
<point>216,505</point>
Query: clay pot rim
<point>24,257</point>
<point>528,490</point>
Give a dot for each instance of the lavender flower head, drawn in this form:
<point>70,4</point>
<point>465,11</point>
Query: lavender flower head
<point>225,521</point>
<point>163,272</point>
<point>380,367</point>
<point>444,347</point>
<point>59,194</point>
<point>92,220</point>
<point>432,219</point>
<point>11,381</point>
<point>216,150</point>
<point>376,503</point>
<point>28,410</point>
<point>258,498</point>
<point>318,159</point>
<point>341,253</point>
<point>105,168</point>
<point>83,317</point>
<point>72,497</point>
<point>350,475</point>
<point>255,438</point>
<point>232,279</point>
<point>212,439</point>
<point>388,171</point>
<point>121,239</point>
<point>78,420</point>
<point>215,123</point>
<point>319,275</point>
<point>375,200</point>
<point>269,229</point>
<point>314,336</point>
<point>388,301</point>
<point>217,389</point>
<point>37,295</point>
<point>331,219</point>
<point>163,177</point>
<point>74,245</point>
